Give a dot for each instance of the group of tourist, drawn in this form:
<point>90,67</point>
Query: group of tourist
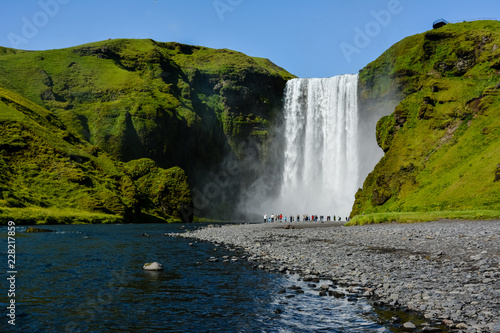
<point>291,218</point>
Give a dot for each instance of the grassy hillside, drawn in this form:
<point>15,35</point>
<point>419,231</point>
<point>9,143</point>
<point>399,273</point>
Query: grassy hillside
<point>134,98</point>
<point>109,128</point>
<point>49,175</point>
<point>442,142</point>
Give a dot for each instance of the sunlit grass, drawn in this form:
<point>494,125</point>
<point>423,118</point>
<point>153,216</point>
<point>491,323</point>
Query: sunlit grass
<point>442,143</point>
<point>411,217</point>
<point>39,215</point>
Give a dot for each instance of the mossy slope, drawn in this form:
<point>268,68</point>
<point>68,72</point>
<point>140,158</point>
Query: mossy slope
<point>141,98</point>
<point>49,175</point>
<point>183,107</point>
<point>442,142</point>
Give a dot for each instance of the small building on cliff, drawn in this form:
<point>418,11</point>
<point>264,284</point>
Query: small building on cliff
<point>439,23</point>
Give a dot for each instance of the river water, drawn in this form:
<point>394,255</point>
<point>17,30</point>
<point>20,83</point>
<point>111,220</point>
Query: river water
<point>89,278</point>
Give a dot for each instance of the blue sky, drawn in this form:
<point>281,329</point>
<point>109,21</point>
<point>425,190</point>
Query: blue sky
<point>315,38</point>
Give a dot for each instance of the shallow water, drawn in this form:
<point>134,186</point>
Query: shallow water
<point>89,278</point>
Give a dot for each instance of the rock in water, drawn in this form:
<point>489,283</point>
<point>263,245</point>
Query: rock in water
<point>33,229</point>
<point>409,326</point>
<point>153,266</point>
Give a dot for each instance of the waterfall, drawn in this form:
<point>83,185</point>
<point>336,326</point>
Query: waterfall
<point>320,166</point>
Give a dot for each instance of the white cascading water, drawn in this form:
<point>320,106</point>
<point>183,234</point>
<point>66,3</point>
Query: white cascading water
<point>320,173</point>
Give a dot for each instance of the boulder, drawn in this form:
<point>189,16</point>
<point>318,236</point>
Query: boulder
<point>409,326</point>
<point>338,294</point>
<point>153,266</point>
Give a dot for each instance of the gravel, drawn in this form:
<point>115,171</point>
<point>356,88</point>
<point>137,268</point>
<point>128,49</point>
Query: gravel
<point>446,271</point>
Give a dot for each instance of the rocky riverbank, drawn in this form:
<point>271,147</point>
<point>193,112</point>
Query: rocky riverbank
<point>448,272</point>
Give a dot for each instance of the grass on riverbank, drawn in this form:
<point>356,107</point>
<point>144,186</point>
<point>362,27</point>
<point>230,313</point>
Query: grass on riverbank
<point>37,215</point>
<point>411,217</point>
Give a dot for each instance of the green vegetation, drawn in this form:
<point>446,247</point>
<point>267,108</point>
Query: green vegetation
<point>126,95</point>
<point>167,192</point>
<point>122,130</point>
<point>442,143</point>
<point>50,176</point>
<point>411,217</point>
<point>55,215</point>
<point>112,131</point>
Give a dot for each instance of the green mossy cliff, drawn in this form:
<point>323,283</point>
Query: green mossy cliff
<point>123,130</point>
<point>49,175</point>
<point>442,140</point>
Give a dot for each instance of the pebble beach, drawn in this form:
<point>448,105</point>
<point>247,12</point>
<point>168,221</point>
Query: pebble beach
<point>446,272</point>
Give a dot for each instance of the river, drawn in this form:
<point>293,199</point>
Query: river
<point>89,278</point>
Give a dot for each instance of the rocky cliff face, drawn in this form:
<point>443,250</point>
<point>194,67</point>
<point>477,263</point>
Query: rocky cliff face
<point>181,106</point>
<point>441,139</point>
